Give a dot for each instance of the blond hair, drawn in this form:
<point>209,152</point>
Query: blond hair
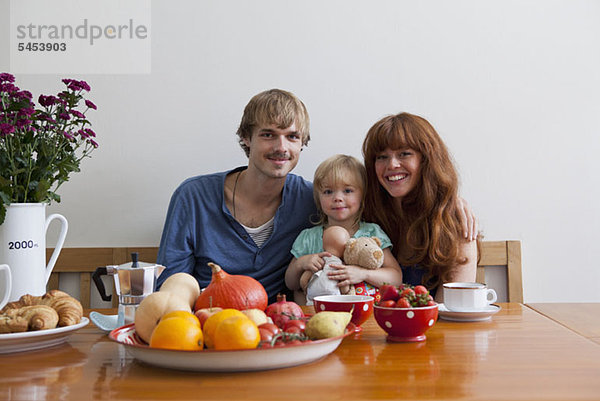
<point>274,106</point>
<point>344,169</point>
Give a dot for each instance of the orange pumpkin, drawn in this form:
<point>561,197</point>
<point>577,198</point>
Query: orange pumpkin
<point>232,291</point>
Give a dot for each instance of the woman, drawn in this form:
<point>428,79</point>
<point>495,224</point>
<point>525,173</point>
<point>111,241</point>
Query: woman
<point>412,190</point>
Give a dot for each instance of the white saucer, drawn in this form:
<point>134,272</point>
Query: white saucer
<point>475,316</point>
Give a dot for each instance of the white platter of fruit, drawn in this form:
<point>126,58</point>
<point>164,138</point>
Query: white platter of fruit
<point>232,329</point>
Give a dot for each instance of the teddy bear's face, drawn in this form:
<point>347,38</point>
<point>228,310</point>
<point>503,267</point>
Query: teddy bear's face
<point>364,252</point>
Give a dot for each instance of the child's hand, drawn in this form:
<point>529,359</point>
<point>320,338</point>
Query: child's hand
<point>347,274</point>
<point>313,262</point>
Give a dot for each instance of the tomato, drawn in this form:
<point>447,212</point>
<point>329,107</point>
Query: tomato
<point>420,289</point>
<point>403,303</point>
<point>297,323</point>
<point>265,335</point>
<point>388,304</point>
<point>270,327</point>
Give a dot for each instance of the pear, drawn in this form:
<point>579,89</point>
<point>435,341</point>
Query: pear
<point>327,324</point>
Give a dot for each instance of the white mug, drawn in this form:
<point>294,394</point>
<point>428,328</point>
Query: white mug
<point>468,297</point>
<point>23,247</point>
<point>7,283</point>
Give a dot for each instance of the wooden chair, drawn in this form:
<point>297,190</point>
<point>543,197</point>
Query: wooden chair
<point>505,254</point>
<point>85,260</point>
<point>494,254</point>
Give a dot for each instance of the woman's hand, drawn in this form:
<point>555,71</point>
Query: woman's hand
<point>347,274</point>
<point>468,220</point>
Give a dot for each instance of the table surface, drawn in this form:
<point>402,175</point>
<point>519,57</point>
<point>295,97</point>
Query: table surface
<point>519,355</point>
<point>579,317</point>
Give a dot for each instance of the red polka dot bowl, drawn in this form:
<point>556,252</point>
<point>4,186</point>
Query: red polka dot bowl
<point>361,306</point>
<point>406,324</point>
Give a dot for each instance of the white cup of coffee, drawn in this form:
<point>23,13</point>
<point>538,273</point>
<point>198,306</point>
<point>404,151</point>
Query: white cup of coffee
<point>468,297</point>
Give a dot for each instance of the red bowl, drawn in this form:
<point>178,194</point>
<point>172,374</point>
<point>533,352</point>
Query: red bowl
<point>362,304</point>
<point>406,324</point>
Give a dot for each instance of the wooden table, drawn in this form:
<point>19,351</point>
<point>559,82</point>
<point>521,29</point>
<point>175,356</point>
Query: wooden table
<point>582,318</point>
<point>519,355</point>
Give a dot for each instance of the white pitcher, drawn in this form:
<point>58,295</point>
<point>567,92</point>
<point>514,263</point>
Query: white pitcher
<point>23,247</point>
<point>6,283</point>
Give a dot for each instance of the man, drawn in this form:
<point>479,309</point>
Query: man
<point>245,219</point>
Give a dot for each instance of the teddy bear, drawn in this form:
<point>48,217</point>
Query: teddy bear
<point>364,252</point>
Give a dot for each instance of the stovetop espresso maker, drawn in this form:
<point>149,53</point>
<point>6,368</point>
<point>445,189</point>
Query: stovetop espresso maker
<point>134,281</point>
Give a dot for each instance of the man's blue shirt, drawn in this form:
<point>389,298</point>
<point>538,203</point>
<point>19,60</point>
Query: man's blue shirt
<point>200,229</point>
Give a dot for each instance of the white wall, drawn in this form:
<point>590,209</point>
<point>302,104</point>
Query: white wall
<point>512,86</point>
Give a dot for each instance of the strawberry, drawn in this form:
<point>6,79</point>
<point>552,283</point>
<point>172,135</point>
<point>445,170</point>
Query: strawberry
<point>403,303</point>
<point>389,292</point>
<point>420,289</point>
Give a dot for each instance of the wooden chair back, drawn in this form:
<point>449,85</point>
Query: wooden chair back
<point>494,254</point>
<point>503,254</point>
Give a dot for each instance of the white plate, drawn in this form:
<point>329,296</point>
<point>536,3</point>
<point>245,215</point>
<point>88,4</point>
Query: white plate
<point>32,340</point>
<point>475,316</point>
<point>227,361</point>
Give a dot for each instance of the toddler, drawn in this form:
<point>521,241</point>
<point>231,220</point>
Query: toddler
<point>339,189</point>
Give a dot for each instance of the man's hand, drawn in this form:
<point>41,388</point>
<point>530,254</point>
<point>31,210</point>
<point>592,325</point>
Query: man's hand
<point>468,221</point>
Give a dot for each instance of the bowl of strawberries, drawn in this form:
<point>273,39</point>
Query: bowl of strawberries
<point>405,312</point>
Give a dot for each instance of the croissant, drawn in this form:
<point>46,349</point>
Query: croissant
<point>25,300</point>
<point>12,324</point>
<point>37,317</point>
<point>68,308</point>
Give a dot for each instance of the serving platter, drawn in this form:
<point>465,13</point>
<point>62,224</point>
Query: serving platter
<point>32,340</point>
<point>227,361</point>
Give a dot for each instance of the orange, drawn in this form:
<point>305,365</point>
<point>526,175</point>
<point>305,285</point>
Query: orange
<point>236,333</point>
<point>182,314</point>
<point>213,321</point>
<point>177,333</point>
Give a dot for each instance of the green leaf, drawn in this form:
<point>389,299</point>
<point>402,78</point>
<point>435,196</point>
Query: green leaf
<point>41,190</point>
<point>2,213</point>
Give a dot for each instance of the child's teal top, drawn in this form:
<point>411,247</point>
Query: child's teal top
<point>310,240</point>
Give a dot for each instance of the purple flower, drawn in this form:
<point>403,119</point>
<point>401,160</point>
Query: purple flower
<point>6,77</point>
<point>67,135</point>
<point>77,114</point>
<point>93,143</point>
<point>47,100</point>
<point>90,105</point>
<point>26,112</point>
<point>90,132</point>
<point>24,95</point>
<point>75,85</point>
<point>84,85</point>
<point>64,116</point>
<point>23,123</point>
<point>46,117</point>
<point>8,88</point>
<point>83,134</point>
<point>6,129</point>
